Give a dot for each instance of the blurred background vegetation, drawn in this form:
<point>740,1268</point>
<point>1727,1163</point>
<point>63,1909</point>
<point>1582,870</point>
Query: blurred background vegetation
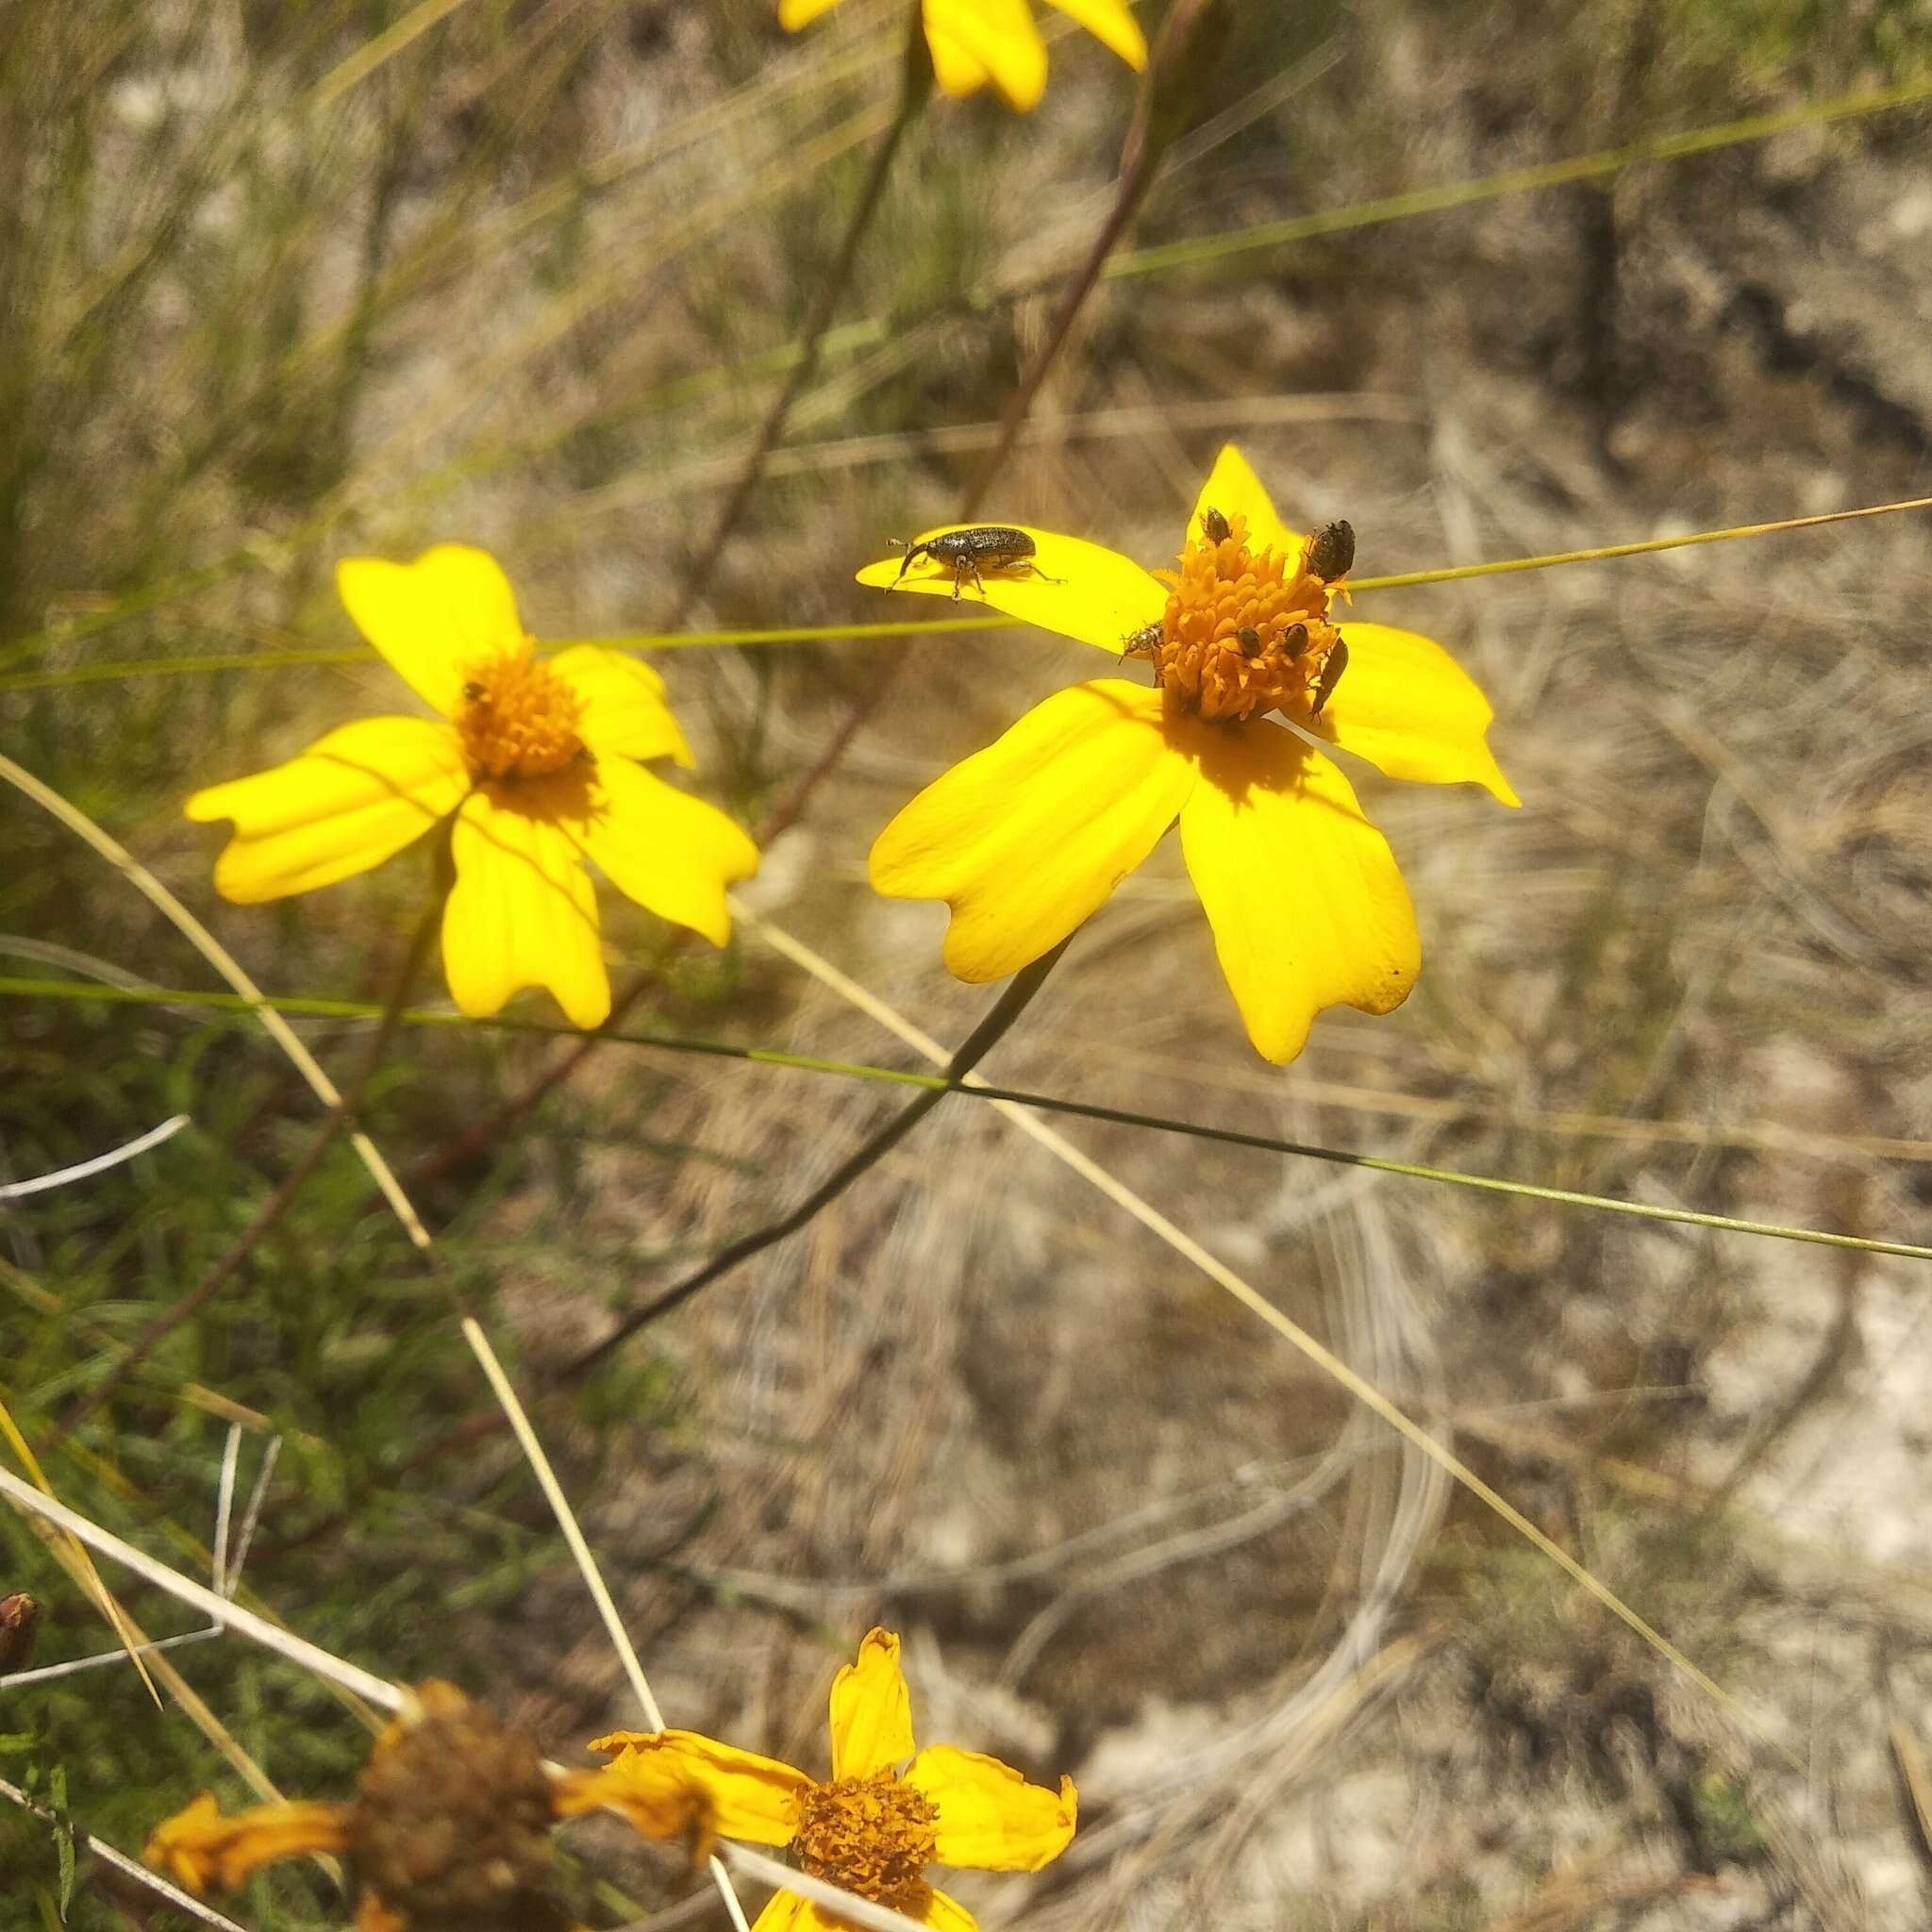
<point>281,283</point>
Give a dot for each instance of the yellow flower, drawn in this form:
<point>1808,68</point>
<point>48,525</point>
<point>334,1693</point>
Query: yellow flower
<point>978,41</point>
<point>874,1828</point>
<point>1028,837</point>
<point>541,762</point>
<point>450,1829</point>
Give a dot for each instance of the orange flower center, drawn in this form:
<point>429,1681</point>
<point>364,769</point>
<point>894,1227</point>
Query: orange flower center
<point>519,719</point>
<point>1244,633</point>
<point>875,1836</point>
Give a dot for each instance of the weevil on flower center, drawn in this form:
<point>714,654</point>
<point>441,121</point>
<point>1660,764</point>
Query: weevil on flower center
<point>988,546</point>
<point>1331,550</point>
<point>1214,526</point>
<point>1144,643</point>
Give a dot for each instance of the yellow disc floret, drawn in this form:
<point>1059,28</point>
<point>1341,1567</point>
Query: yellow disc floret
<point>1244,633</point>
<point>519,719</point>
<point>875,1836</point>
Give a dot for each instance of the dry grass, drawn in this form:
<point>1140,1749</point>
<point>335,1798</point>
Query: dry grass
<point>485,292</point>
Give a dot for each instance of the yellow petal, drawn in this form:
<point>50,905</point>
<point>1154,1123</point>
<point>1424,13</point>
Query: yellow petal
<point>430,618</point>
<point>203,1849</point>
<point>944,1913</point>
<point>1232,486</point>
<point>957,71</point>
<point>872,1711</point>
<point>996,36</point>
<point>353,799</point>
<point>793,14</point>
<point>1027,838</point>
<point>672,853</point>
<point>1113,26</point>
<point>1307,906</point>
<point>785,1912</point>
<point>625,712</point>
<point>522,911</point>
<point>752,1797</point>
<point>646,1790</point>
<point>989,1818</point>
<point>1407,706</point>
<point>1083,591</point>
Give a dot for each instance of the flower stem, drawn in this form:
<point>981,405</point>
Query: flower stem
<point>1187,43</point>
<point>1190,38</point>
<point>335,1123</point>
<point>915,88</point>
<point>1010,1005</point>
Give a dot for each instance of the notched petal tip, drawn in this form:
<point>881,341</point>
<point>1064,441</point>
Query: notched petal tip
<point>872,1709</point>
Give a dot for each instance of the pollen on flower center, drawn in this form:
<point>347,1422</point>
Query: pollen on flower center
<point>519,719</point>
<point>1244,633</point>
<point>875,1836</point>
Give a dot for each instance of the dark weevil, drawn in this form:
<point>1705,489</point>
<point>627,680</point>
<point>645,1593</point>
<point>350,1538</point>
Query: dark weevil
<point>995,546</point>
<point>1333,665</point>
<point>1249,638</point>
<point>1214,526</point>
<point>1331,550</point>
<point>1294,641</point>
<point>1144,643</point>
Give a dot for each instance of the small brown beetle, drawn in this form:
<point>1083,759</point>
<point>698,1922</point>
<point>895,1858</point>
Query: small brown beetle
<point>994,546</point>
<point>1214,526</point>
<point>1294,641</point>
<point>1331,550</point>
<point>1249,638</point>
<point>1144,643</point>
<point>1329,675</point>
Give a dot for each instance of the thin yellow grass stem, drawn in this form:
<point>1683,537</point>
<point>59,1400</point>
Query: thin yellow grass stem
<point>209,663</point>
<point>872,330</point>
<point>374,52</point>
<point>278,1203</point>
<point>94,1583</point>
<point>220,1609</point>
<point>1257,1305</point>
<point>1649,546</point>
<point>587,1564</point>
<point>176,1686</point>
<point>915,88</point>
<point>1848,1146</point>
<point>228,966</point>
<point>1202,250</point>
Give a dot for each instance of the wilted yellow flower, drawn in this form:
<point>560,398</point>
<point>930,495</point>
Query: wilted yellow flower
<point>203,1850</point>
<point>541,762</point>
<point>449,1830</point>
<point>1028,837</point>
<point>975,42</point>
<point>875,1827</point>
